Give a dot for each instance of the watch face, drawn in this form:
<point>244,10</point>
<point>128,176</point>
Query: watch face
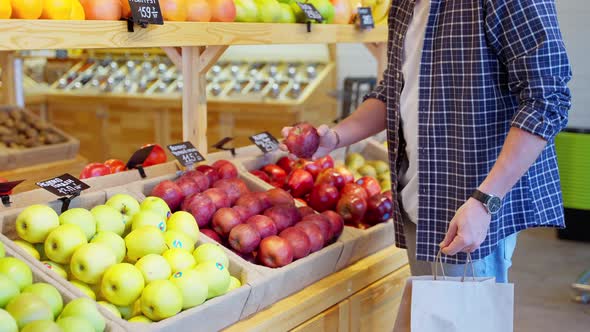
<point>494,204</point>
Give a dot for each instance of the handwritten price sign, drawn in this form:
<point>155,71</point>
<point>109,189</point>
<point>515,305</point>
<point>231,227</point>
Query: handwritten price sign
<point>265,142</point>
<point>63,185</point>
<point>186,153</point>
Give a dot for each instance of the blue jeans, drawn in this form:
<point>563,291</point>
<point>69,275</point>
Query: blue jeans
<point>495,264</point>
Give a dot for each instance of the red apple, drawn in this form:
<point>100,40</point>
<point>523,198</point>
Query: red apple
<point>286,164</point>
<point>244,238</point>
<point>115,165</point>
<point>323,223</point>
<point>219,197</point>
<point>379,209</point>
<point>303,140</point>
<point>336,222</point>
<point>201,207</point>
<point>224,220</point>
<point>323,197</point>
<point>211,234</point>
<point>352,208</point>
<point>275,173</point>
<point>210,172</point>
<point>261,175</point>
<point>354,189</point>
<point>225,169</point>
<point>305,210</point>
<point>275,252</point>
<point>346,174</point>
<point>187,186</point>
<point>300,183</point>
<point>325,162</point>
<point>170,192</point>
<point>264,225</point>
<point>199,178</point>
<point>302,201</point>
<point>313,168</point>
<point>298,241</point>
<point>388,194</point>
<point>251,202</point>
<point>330,176</point>
<point>314,234</point>
<point>282,215</point>
<point>370,184</point>
<point>157,156</point>
<point>234,188</point>
<point>243,212</point>
<point>94,170</point>
<point>278,196</point>
<point>264,199</point>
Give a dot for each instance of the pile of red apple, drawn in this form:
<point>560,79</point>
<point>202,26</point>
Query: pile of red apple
<point>112,166</point>
<point>262,227</point>
<point>324,187</point>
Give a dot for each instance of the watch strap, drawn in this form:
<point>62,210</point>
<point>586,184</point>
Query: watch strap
<point>480,196</point>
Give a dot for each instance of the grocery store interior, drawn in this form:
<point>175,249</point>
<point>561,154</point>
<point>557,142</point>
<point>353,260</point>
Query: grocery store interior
<point>143,182</point>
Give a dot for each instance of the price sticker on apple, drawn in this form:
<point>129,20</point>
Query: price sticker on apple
<point>6,190</point>
<point>365,18</point>
<point>138,158</point>
<point>265,141</point>
<point>146,12</point>
<point>186,153</point>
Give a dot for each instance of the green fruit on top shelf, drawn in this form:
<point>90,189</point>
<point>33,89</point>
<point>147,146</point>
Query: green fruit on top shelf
<point>140,319</point>
<point>210,252</point>
<point>85,309</point>
<point>156,204</point>
<point>126,205</point>
<point>113,241</point>
<point>74,324</point>
<point>108,219</point>
<point>122,284</point>
<point>90,261</point>
<point>110,307</point>
<point>27,307</point>
<point>153,267</point>
<point>287,14</point>
<point>192,286</point>
<point>49,294</point>
<point>144,241</point>
<point>7,323</point>
<point>234,283</point>
<point>325,8</point>
<point>354,161</point>
<point>161,299</point>
<point>269,11</point>
<point>246,11</point>
<point>148,218</point>
<point>2,251</point>
<point>29,248</point>
<point>81,217</point>
<point>56,267</point>
<point>367,170</point>
<point>131,310</point>
<point>42,326</point>
<point>8,290</point>
<point>35,222</point>
<point>178,240</point>
<point>216,276</point>
<point>184,222</point>
<point>16,270</point>
<point>84,288</point>
<point>63,241</point>
<point>179,260</point>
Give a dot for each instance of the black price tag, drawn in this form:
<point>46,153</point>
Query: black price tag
<point>265,142</point>
<point>311,12</point>
<point>186,153</point>
<point>64,185</point>
<point>6,187</point>
<point>139,157</point>
<point>146,12</point>
<point>221,145</point>
<point>365,17</point>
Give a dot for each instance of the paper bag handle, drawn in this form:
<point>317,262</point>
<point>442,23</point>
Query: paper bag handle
<point>468,262</point>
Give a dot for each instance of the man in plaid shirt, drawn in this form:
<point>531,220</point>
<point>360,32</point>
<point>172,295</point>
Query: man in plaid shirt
<point>472,98</point>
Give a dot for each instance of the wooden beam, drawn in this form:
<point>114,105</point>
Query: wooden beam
<point>210,57</point>
<point>175,55</point>
<point>194,99</point>
<point>379,51</point>
<point>8,78</point>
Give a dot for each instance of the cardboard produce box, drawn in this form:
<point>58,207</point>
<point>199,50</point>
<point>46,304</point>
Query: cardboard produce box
<point>41,275</point>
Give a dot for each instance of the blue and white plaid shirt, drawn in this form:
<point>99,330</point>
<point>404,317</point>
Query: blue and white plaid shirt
<point>487,65</point>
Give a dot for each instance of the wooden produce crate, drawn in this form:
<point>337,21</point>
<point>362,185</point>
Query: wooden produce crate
<point>41,274</point>
<point>11,158</point>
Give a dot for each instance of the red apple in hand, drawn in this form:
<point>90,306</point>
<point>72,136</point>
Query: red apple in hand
<point>93,170</point>
<point>370,184</point>
<point>310,166</point>
<point>276,174</point>
<point>187,186</point>
<point>211,234</point>
<point>264,225</point>
<point>354,189</point>
<point>379,209</point>
<point>244,238</point>
<point>298,241</point>
<point>314,234</point>
<point>336,222</point>
<point>261,175</point>
<point>388,194</point>
<point>224,220</point>
<point>115,165</point>
<point>286,164</point>
<point>201,180</point>
<point>219,197</point>
<point>201,207</point>
<point>330,176</point>
<point>225,169</point>
<point>278,196</point>
<point>346,174</point>
<point>300,183</point>
<point>325,162</point>
<point>157,156</point>
<point>323,197</point>
<point>275,252</point>
<point>170,192</point>
<point>352,208</point>
<point>303,140</point>
<point>210,172</point>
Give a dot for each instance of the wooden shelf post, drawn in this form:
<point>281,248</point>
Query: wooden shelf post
<point>379,52</point>
<point>8,78</point>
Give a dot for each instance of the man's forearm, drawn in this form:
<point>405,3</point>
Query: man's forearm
<point>367,120</point>
<point>519,152</point>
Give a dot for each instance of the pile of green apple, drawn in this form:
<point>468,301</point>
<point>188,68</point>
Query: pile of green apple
<point>378,169</point>
<point>138,260</point>
<point>30,307</point>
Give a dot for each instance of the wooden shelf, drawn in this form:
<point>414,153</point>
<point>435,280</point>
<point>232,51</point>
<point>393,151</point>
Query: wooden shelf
<point>52,34</point>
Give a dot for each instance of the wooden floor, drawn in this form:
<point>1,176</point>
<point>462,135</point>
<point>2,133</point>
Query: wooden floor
<point>544,267</point>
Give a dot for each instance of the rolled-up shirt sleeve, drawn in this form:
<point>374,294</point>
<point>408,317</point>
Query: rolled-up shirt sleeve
<point>379,92</point>
<point>525,34</point>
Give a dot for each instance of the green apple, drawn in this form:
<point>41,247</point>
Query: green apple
<point>27,307</point>
<point>55,267</point>
<point>90,261</point>
<point>161,299</point>
<point>144,241</point>
<point>153,267</point>
<point>40,247</point>
<point>8,290</point>
<point>86,309</point>
<point>110,307</point>
<point>269,11</point>
<point>63,241</point>
<point>35,222</point>
<point>354,161</point>
<point>108,219</point>
<point>384,177</point>
<point>74,324</point>
<point>179,259</point>
<point>7,323</point>
<point>2,251</point>
<point>82,218</point>
<point>287,14</point>
<point>216,275</point>
<point>113,241</point>
<point>122,284</point>
<point>29,248</point>
<point>367,170</point>
<point>140,319</point>
<point>131,310</point>
<point>184,222</point>
<point>210,252</point>
<point>156,204</point>
<point>178,240</point>
<point>325,8</point>
<point>16,270</point>
<point>193,287</point>
<point>126,205</point>
<point>246,11</point>
<point>148,218</point>
<point>84,288</point>
<point>234,283</point>
<point>42,326</point>
<point>47,293</point>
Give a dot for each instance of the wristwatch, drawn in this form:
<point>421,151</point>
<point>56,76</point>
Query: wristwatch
<point>492,203</point>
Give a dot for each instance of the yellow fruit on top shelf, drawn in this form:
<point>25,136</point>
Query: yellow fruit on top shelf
<point>27,9</point>
<point>56,9</point>
<point>77,12</point>
<point>5,9</point>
